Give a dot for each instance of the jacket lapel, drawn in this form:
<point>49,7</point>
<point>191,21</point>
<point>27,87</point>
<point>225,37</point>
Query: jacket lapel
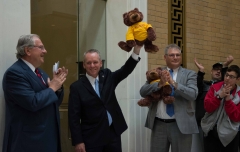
<point>101,80</point>
<point>31,73</point>
<point>179,74</point>
<point>88,85</point>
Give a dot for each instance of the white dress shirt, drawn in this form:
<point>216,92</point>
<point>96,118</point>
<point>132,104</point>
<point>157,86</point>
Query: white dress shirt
<point>161,107</point>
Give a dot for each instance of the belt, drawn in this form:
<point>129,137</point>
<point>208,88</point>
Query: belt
<point>165,120</point>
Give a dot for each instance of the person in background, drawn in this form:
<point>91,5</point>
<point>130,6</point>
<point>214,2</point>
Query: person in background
<point>203,87</point>
<point>95,117</point>
<point>222,118</point>
<point>173,123</point>
<point>32,100</point>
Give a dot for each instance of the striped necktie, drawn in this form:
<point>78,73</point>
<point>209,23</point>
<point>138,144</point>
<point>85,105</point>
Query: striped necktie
<point>39,76</point>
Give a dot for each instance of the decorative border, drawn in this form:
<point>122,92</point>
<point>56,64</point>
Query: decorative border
<point>177,24</point>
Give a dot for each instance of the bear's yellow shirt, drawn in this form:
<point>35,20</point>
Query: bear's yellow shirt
<point>138,31</point>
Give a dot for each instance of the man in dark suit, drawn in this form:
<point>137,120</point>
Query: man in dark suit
<point>32,101</point>
<point>95,118</point>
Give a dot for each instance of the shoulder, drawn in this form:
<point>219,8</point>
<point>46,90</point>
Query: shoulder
<point>206,82</point>
<point>14,68</point>
<point>186,71</point>
<point>79,82</point>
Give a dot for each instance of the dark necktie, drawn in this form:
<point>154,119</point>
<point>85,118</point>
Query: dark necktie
<point>39,76</point>
<point>97,91</point>
<point>170,108</point>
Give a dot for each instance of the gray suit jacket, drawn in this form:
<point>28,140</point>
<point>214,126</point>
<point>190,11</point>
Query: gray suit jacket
<point>185,95</point>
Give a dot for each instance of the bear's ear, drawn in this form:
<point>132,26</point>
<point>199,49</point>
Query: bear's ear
<point>147,75</point>
<point>125,15</point>
<point>136,9</point>
<point>159,69</point>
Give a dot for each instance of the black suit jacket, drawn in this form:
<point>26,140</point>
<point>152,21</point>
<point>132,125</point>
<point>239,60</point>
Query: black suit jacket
<point>87,112</point>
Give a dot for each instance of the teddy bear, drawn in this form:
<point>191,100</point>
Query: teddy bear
<point>139,33</point>
<point>154,76</point>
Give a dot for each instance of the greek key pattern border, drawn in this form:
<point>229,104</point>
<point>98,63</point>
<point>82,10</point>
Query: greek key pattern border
<point>177,23</point>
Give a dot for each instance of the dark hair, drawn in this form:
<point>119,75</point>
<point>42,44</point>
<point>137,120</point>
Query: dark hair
<point>234,68</point>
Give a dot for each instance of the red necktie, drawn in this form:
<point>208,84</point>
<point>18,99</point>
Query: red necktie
<point>39,75</point>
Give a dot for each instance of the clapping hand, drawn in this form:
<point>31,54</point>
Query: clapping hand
<point>200,67</point>
<point>165,77</point>
<point>225,92</point>
<point>58,79</point>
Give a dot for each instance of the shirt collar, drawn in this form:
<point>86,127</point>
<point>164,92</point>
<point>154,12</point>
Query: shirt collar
<point>174,70</point>
<point>29,64</point>
<point>91,79</point>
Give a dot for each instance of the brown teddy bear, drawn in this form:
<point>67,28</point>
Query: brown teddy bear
<point>154,76</point>
<point>139,33</point>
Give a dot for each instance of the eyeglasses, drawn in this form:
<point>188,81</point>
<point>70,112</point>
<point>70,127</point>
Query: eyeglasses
<point>174,55</point>
<point>230,76</point>
<point>40,47</point>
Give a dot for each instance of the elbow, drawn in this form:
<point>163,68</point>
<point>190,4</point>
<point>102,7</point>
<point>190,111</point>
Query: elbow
<point>142,93</point>
<point>195,94</point>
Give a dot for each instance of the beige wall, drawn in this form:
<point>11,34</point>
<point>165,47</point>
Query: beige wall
<point>158,18</point>
<point>12,25</point>
<point>136,138</point>
<point>212,31</point>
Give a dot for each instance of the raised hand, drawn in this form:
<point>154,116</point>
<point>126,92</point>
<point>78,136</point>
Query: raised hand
<point>229,60</point>
<point>199,66</point>
<point>137,49</point>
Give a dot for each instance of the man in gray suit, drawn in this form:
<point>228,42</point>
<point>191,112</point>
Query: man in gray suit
<point>173,123</point>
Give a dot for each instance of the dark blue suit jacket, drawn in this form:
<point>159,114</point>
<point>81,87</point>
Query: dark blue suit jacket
<point>86,106</point>
<point>32,115</point>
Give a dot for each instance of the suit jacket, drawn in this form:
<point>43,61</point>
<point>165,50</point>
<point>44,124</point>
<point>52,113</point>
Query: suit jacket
<point>32,115</point>
<point>185,94</point>
<point>88,119</point>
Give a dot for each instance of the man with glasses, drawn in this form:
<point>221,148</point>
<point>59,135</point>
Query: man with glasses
<point>222,118</point>
<point>32,100</point>
<point>173,123</point>
<point>203,87</point>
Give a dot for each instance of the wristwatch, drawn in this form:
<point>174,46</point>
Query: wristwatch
<point>218,96</point>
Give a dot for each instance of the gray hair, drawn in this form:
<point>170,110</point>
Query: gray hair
<point>91,51</point>
<point>172,46</point>
<point>25,41</point>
